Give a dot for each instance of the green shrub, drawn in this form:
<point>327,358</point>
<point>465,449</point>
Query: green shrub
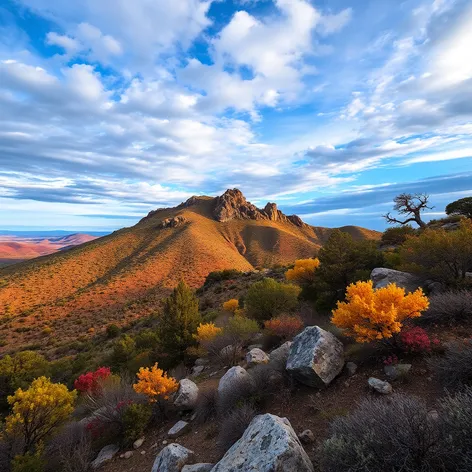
<point>397,235</point>
<point>219,275</point>
<point>269,298</point>
<point>28,463</point>
<point>178,323</point>
<point>445,256</point>
<point>461,207</point>
<point>135,421</point>
<point>123,351</point>
<point>242,328</point>
<point>113,331</point>
<point>146,339</point>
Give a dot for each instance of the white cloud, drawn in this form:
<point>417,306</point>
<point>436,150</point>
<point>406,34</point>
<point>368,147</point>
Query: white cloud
<point>71,45</point>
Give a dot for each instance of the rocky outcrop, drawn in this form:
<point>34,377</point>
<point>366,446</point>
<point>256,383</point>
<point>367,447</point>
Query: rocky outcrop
<point>172,458</point>
<point>232,205</point>
<point>269,444</point>
<point>381,277</point>
<point>256,356</point>
<point>235,375</point>
<point>186,396</point>
<point>316,357</point>
<point>172,222</point>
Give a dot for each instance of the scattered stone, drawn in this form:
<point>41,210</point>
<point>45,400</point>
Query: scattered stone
<point>128,454</point>
<point>381,277</point>
<point>143,452</point>
<point>269,444</point>
<point>187,395</point>
<point>172,458</point>
<point>394,372</point>
<point>256,356</point>
<point>138,443</point>
<point>351,368</point>
<point>179,429</point>
<point>173,222</point>
<point>203,467</point>
<point>197,370</point>
<point>280,355</point>
<point>316,357</point>
<point>307,436</point>
<point>233,376</point>
<point>202,361</point>
<point>164,443</point>
<point>380,386</point>
<point>434,415</point>
<point>105,455</point>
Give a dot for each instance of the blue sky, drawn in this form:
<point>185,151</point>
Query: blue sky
<point>111,108</point>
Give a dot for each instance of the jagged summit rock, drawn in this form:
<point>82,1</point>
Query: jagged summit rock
<point>232,205</point>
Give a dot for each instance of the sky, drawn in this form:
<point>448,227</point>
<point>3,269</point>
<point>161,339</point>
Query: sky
<point>112,108</point>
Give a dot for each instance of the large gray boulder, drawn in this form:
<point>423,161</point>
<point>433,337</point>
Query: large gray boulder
<point>172,458</point>
<point>202,467</point>
<point>234,376</point>
<point>381,277</point>
<point>316,357</point>
<point>187,395</point>
<point>269,444</point>
<point>280,355</point>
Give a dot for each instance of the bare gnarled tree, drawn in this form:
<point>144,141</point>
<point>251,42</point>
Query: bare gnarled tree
<point>410,205</point>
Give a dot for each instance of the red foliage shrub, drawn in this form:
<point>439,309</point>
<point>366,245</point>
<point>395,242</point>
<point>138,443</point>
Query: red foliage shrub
<point>96,428</point>
<point>417,340</point>
<point>91,381</point>
<point>391,360</point>
<point>284,326</point>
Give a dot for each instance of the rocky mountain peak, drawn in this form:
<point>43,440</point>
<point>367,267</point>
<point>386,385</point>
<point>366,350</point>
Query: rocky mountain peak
<point>232,205</point>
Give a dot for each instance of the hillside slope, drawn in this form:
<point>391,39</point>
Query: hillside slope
<point>123,276</point>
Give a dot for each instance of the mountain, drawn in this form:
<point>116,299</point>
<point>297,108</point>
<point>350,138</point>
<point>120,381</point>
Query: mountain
<point>123,276</point>
<point>15,247</point>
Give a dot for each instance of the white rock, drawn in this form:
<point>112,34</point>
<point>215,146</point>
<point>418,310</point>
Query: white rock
<point>105,455</point>
<point>197,370</point>
<point>138,443</point>
<point>381,277</point>
<point>233,376</point>
<point>179,429</point>
<point>269,444</point>
<point>172,458</point>
<point>203,467</point>
<point>186,396</point>
<point>128,454</point>
<point>316,357</point>
<point>380,386</point>
<point>256,356</point>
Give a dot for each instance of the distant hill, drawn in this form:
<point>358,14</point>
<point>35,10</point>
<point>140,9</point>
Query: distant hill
<point>123,276</point>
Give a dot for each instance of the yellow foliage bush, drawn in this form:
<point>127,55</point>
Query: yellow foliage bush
<point>37,411</point>
<point>207,332</point>
<point>155,384</point>
<point>304,271</point>
<point>231,305</point>
<point>369,315</point>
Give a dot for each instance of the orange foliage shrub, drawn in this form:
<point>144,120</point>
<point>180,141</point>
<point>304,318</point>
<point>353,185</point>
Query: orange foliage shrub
<point>231,305</point>
<point>304,270</point>
<point>368,315</point>
<point>155,384</point>
<point>207,332</point>
<point>284,326</point>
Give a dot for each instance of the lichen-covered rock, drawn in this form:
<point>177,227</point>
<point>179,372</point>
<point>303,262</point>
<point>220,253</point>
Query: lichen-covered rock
<point>269,444</point>
<point>256,356</point>
<point>179,429</point>
<point>203,467</point>
<point>316,357</point>
<point>105,455</point>
<point>380,386</point>
<point>172,458</point>
<point>233,376</point>
<point>381,277</point>
<point>186,396</point>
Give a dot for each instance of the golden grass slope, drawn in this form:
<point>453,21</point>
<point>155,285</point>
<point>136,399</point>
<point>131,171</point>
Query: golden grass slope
<point>124,276</point>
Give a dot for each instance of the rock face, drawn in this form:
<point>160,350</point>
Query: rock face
<point>380,386</point>
<point>269,444</point>
<point>234,376</point>
<point>232,205</point>
<point>172,458</point>
<point>202,467</point>
<point>316,357</point>
<point>105,455</point>
<point>381,277</point>
<point>256,356</point>
<point>179,429</point>
<point>172,222</point>
<point>187,395</point>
